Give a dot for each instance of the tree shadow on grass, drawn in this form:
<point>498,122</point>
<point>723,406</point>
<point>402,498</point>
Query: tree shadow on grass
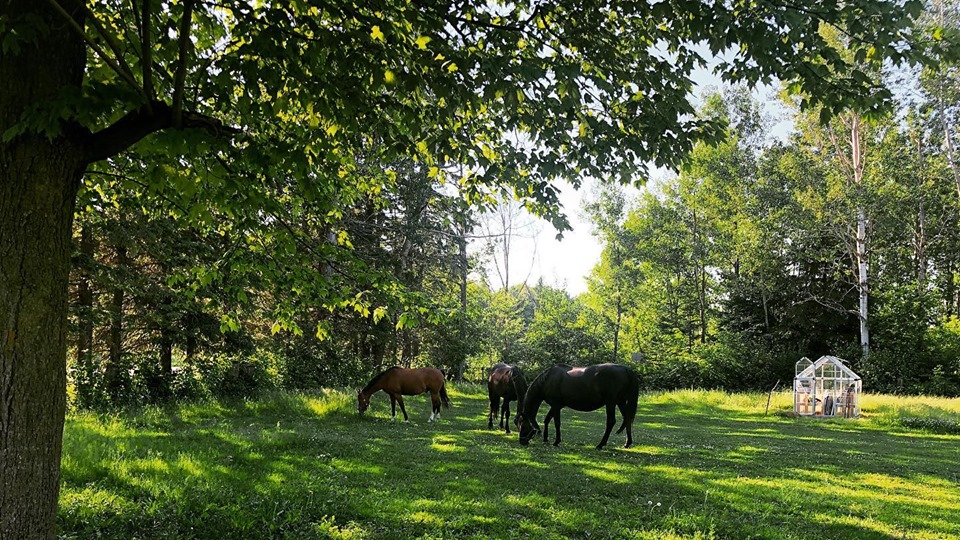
<point>293,469</point>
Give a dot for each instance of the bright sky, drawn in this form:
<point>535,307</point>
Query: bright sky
<point>567,263</point>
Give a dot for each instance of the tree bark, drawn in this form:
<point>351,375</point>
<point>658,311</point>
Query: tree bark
<point>39,177</point>
<point>856,158</point>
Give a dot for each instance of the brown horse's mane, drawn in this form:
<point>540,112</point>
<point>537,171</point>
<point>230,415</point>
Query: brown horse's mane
<point>379,376</point>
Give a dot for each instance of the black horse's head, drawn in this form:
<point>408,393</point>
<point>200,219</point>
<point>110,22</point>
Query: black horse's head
<point>528,428</point>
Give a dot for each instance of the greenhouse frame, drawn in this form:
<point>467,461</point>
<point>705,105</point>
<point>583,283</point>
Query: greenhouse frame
<point>826,388</point>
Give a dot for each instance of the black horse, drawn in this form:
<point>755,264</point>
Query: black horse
<point>508,383</point>
<point>582,389</point>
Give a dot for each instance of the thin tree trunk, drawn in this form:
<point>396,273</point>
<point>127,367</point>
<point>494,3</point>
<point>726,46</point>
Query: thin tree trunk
<point>616,328</point>
<point>949,289</point>
<point>39,177</point>
<point>191,346</point>
<point>166,352</point>
<point>463,270</point>
<point>114,362</point>
<point>921,247</point>
<point>85,299</point>
<point>862,284</point>
<point>702,297</point>
<point>861,240</point>
<point>766,310</point>
<point>951,157</point>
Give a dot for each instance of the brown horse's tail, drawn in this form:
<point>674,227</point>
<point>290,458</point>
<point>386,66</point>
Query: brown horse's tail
<point>443,395</point>
<point>630,401</point>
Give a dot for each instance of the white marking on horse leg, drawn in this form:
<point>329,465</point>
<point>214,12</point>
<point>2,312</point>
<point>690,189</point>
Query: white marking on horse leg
<point>431,418</point>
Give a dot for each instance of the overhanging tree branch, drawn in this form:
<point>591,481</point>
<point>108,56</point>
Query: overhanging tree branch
<point>136,125</point>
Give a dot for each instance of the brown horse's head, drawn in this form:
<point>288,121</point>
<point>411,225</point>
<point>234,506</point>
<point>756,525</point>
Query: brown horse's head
<point>363,401</point>
<point>528,428</point>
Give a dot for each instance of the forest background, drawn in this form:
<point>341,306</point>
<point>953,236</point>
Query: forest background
<point>841,239</point>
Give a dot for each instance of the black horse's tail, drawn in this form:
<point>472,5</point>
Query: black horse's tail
<point>443,395</point>
<point>630,404</point>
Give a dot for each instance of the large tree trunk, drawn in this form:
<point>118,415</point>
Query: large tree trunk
<point>39,177</point>
<point>36,214</point>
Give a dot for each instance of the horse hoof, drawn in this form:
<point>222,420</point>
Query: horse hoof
<point>556,443</point>
<point>600,446</point>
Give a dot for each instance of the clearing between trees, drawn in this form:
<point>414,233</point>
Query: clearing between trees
<point>703,465</point>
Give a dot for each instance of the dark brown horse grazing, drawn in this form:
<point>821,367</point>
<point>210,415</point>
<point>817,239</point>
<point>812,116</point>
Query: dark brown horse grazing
<point>582,389</point>
<point>508,383</point>
<point>398,382</point>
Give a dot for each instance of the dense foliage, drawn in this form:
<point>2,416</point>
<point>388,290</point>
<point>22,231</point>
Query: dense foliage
<point>747,260</point>
<point>244,273</point>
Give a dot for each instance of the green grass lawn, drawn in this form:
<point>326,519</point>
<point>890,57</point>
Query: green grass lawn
<point>704,465</point>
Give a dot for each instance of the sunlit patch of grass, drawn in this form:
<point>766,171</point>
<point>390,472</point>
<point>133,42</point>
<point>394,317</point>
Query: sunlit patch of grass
<point>704,465</point>
<point>446,444</point>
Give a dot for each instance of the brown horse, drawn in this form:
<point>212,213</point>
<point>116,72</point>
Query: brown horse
<point>506,382</point>
<point>398,382</point>
<point>582,389</point>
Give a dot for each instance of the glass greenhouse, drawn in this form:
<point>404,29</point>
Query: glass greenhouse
<point>826,388</point>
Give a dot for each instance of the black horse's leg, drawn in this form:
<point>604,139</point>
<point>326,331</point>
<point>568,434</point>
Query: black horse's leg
<point>505,416</point>
<point>494,410</point>
<point>402,408</point>
<point>611,421</point>
<point>546,424</point>
<point>393,407</point>
<point>556,424</point>
<point>627,424</point>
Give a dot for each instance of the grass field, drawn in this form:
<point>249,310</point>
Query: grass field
<point>705,465</point>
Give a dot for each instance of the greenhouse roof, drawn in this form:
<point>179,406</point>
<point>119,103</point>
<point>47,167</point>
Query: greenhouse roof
<point>811,370</point>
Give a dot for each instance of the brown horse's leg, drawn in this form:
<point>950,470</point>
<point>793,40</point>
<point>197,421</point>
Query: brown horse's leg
<point>402,408</point>
<point>435,401</point>
<point>611,421</point>
<point>494,410</point>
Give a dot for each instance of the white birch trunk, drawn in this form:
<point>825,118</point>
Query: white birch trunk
<point>861,240</point>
